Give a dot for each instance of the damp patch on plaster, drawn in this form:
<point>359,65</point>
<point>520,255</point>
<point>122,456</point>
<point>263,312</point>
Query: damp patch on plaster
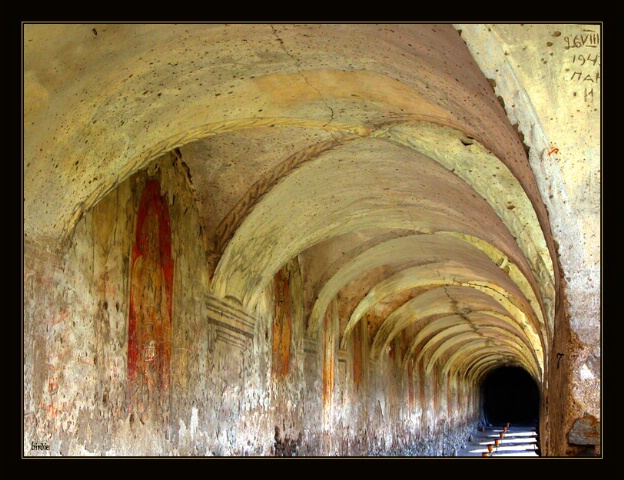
<point>282,324</point>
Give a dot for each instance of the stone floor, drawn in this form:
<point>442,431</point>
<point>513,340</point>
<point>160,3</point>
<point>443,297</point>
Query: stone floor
<point>518,441</point>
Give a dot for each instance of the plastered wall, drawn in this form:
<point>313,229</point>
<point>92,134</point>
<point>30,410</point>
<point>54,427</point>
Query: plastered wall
<point>236,384</point>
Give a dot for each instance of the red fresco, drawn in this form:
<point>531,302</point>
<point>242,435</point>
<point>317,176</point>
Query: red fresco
<point>357,355</point>
<point>151,290</point>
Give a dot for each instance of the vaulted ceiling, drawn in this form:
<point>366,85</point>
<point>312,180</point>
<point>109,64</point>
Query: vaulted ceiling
<point>413,226</point>
<point>377,155</point>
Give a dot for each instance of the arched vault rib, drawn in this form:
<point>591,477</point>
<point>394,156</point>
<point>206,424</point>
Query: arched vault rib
<point>488,176</point>
<point>440,344</point>
<point>241,279</point>
<point>474,366</point>
<point>473,320</point>
<point>451,273</point>
<point>480,348</point>
<point>230,223</point>
<point>499,258</point>
<point>351,252</point>
<point>450,301</point>
<point>454,300</point>
<point>477,371</point>
<point>394,323</point>
<point>180,139</point>
<point>423,248</point>
<point>488,358</point>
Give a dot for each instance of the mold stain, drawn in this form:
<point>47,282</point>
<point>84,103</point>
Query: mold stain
<point>151,288</point>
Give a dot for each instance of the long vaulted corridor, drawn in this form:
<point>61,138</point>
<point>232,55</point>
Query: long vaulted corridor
<point>310,239</point>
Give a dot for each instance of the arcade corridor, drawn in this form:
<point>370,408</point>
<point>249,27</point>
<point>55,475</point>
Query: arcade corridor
<point>310,239</point>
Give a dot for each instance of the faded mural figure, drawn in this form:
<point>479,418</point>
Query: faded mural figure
<point>150,322</point>
<point>282,325</point>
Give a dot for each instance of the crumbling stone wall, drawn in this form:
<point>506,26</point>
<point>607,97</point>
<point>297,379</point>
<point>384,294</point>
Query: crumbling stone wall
<point>567,428</point>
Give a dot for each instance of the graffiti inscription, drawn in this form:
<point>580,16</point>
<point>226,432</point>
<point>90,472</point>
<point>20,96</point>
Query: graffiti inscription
<point>585,62</point>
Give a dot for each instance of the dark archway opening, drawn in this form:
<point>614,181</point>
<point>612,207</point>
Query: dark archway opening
<point>510,395</point>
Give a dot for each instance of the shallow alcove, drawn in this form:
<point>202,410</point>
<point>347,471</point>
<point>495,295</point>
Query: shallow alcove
<point>510,394</point>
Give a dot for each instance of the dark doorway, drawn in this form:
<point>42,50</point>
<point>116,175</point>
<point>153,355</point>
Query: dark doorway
<point>510,395</point>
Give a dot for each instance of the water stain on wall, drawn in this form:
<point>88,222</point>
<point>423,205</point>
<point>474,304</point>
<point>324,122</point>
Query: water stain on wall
<point>282,324</point>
